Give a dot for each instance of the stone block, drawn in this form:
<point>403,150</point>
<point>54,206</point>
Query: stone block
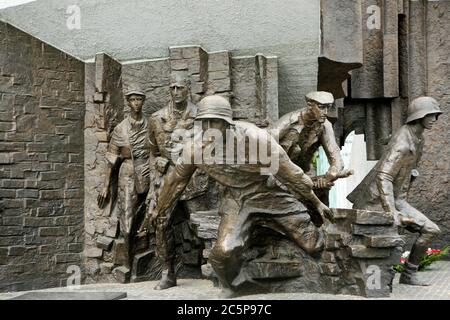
<point>383,241</point>
<point>51,194</point>
<point>222,85</point>
<point>93,252</point>
<point>6,158</point>
<point>52,232</point>
<point>8,193</point>
<point>119,252</point>
<point>106,267</point>
<point>11,231</point>
<point>75,247</point>
<point>67,258</point>
<point>45,249</point>
<point>16,251</point>
<point>102,136</point>
<point>368,230</point>
<point>191,52</point>
<point>112,231</point>
<point>360,251</point>
<point>178,65</point>
<point>176,53</point>
<point>28,193</point>
<point>219,75</point>
<point>104,243</point>
<point>219,61</point>
<point>121,274</point>
<point>37,222</point>
<point>373,217</point>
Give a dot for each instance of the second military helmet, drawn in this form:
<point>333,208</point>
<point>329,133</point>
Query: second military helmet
<point>422,106</point>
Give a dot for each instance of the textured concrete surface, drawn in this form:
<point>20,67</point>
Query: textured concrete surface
<point>430,192</point>
<point>438,275</point>
<point>289,29</point>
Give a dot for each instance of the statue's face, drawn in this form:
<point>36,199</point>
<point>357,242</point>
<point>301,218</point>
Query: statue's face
<point>179,92</point>
<point>217,124</point>
<point>429,120</point>
<point>319,110</point>
<point>135,102</point>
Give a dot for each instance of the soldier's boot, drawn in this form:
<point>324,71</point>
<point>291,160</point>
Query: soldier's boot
<point>392,273</point>
<point>165,249</point>
<point>409,276</point>
<point>168,280</point>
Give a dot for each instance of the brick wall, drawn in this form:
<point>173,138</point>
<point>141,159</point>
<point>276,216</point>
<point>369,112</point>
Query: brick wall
<point>41,162</point>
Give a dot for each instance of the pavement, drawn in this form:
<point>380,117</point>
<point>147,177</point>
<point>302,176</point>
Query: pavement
<point>191,289</point>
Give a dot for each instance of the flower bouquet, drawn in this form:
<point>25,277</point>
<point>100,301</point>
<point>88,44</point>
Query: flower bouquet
<point>430,256</point>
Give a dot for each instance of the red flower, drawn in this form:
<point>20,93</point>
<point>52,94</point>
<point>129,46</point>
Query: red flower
<point>431,251</point>
<point>402,260</point>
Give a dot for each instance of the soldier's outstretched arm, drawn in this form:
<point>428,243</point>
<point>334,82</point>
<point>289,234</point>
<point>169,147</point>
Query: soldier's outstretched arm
<point>331,148</point>
<point>171,189</point>
<point>300,184</point>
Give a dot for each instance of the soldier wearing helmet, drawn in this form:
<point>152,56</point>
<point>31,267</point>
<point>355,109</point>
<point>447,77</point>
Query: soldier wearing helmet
<point>303,131</point>
<point>246,197</point>
<point>128,151</point>
<point>386,186</point>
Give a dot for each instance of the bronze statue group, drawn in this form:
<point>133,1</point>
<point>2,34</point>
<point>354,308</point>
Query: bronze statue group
<point>290,200</point>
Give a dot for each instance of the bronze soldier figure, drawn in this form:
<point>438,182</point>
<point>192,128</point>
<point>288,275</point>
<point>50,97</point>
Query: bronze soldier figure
<point>246,199</point>
<point>302,132</point>
<point>128,149</point>
<point>386,186</point>
<point>178,115</point>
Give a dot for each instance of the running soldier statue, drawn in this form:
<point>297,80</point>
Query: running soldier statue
<point>386,186</point>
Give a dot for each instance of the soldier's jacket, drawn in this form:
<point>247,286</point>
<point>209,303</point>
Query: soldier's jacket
<point>400,158</point>
<point>162,125</point>
<point>129,143</point>
<point>244,179</point>
<point>301,137</point>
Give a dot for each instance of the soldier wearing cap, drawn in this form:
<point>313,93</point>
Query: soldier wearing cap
<point>386,186</point>
<point>128,151</point>
<point>246,197</point>
<point>302,132</point>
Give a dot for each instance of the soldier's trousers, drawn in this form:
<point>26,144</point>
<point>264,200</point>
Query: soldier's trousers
<point>165,238</point>
<point>242,212</point>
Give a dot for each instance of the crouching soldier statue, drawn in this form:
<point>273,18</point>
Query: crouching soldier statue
<point>247,199</point>
<point>386,186</point>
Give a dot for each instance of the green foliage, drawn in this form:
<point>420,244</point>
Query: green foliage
<point>399,268</point>
<point>428,259</point>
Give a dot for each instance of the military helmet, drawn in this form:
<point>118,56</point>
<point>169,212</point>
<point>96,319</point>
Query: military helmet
<point>422,106</point>
<point>321,97</point>
<point>135,92</point>
<point>215,107</point>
